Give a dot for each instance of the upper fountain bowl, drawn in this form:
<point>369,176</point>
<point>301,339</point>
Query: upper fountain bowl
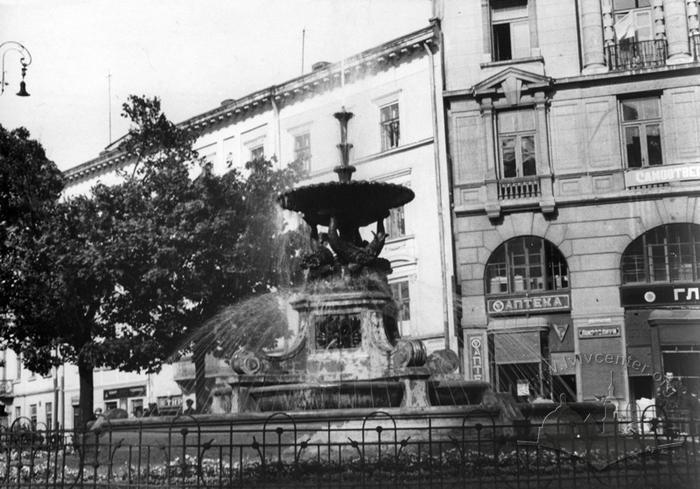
<point>360,203</point>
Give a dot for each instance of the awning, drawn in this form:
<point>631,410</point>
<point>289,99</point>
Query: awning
<point>663,317</point>
<point>517,347</point>
<point>676,326</point>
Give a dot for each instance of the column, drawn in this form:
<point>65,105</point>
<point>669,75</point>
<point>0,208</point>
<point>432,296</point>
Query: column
<point>592,37</point>
<point>676,31</point>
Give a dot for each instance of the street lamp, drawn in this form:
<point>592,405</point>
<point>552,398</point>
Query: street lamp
<point>6,47</point>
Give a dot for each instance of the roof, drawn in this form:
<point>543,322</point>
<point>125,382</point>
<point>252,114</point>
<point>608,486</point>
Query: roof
<point>327,77</point>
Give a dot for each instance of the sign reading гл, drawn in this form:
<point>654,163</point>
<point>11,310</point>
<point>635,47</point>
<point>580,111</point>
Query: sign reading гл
<point>676,293</point>
<point>520,304</point>
<point>662,174</point>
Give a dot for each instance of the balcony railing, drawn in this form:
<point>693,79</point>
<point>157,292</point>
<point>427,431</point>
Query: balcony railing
<point>632,55</point>
<point>519,188</point>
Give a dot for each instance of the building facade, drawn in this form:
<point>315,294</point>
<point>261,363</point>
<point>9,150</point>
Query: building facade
<point>574,148</point>
<point>397,135</point>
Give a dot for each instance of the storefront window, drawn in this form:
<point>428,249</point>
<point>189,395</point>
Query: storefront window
<point>669,253</point>
<point>526,264</point>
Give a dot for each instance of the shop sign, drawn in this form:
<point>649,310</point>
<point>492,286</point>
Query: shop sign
<point>599,332</point>
<point>124,392</point>
<point>662,174</point>
<point>476,364</point>
<point>527,304</point>
<point>660,295</point>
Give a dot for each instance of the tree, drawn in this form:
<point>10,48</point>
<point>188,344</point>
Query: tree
<point>128,272</point>
<point>30,185</point>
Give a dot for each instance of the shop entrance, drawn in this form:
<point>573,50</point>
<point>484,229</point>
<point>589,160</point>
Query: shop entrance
<point>684,362</point>
<point>564,387</point>
<point>521,380</point>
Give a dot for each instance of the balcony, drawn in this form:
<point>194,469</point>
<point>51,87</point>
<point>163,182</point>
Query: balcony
<point>635,55</point>
<point>519,188</point>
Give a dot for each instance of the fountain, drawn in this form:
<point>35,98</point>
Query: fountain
<point>348,352</point>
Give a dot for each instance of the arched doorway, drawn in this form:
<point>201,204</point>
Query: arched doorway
<point>660,292</point>
<point>531,347</point>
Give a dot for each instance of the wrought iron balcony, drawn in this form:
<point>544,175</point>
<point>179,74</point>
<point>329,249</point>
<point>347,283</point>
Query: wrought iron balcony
<point>519,188</point>
<point>633,55</point>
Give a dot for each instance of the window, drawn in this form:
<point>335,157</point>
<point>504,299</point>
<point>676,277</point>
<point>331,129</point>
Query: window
<point>18,367</point>
<point>510,29</point>
<point>526,264</point>
<point>257,153</point>
<point>137,408</point>
<point>32,414</point>
<point>633,20</point>
<point>395,223</point>
<point>109,405</point>
<point>389,125</point>
<point>516,143</point>
<point>18,412</point>
<point>302,149</point>
<point>400,291</point>
<point>49,415</point>
<point>669,253</point>
<point>641,131</point>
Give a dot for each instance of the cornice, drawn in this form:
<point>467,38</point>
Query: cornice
<point>354,67</point>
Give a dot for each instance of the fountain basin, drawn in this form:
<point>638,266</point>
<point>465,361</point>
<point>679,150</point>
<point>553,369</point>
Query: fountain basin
<point>359,202</point>
<point>456,392</point>
<point>336,395</point>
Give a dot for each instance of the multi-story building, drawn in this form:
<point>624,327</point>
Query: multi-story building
<point>397,136</point>
<point>574,148</point>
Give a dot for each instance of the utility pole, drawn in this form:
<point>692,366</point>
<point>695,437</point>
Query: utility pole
<point>303,42</point>
<point>109,104</point>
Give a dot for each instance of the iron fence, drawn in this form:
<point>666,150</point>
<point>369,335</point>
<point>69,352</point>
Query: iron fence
<point>380,449</point>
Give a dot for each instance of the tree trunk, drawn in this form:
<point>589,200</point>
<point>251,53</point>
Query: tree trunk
<point>201,390</point>
<point>86,394</point>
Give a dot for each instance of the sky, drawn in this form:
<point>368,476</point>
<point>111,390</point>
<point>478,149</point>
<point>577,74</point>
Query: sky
<point>193,54</point>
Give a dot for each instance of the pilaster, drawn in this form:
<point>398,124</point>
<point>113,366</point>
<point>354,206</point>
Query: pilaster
<point>544,169</point>
<point>493,207</point>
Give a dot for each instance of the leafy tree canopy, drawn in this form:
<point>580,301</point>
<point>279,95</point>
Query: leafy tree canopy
<point>120,277</point>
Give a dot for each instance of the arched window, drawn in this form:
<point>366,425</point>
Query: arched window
<point>524,264</point>
<point>668,253</point>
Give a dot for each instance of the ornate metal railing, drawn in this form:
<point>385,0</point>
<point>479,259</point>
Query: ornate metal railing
<point>519,188</point>
<point>635,55</point>
<point>452,449</point>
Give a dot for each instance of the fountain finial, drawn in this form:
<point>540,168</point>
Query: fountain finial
<point>345,169</point>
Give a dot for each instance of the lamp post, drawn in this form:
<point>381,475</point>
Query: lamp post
<point>25,61</point>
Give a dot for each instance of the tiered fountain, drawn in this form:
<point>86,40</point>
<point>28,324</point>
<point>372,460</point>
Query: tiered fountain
<point>348,353</point>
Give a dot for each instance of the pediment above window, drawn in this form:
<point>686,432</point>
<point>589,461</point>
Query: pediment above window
<point>511,84</point>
